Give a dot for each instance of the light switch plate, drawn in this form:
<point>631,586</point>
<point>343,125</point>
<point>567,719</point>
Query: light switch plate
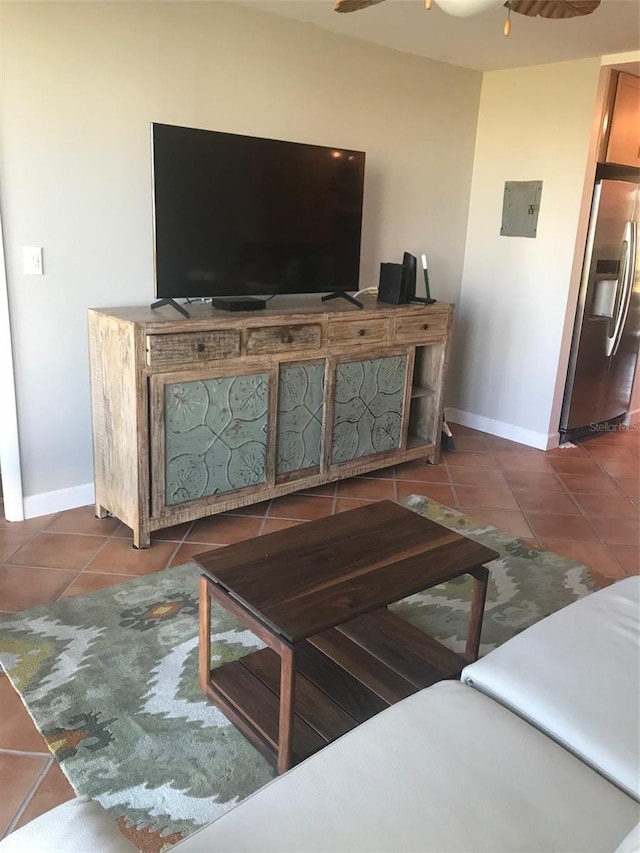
<point>32,260</point>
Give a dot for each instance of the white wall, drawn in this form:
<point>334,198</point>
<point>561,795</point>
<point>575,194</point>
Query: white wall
<point>80,84</point>
<point>534,124</point>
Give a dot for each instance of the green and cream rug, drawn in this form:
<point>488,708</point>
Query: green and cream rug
<point>111,679</point>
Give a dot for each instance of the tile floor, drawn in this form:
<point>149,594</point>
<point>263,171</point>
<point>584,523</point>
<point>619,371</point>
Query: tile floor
<point>583,502</point>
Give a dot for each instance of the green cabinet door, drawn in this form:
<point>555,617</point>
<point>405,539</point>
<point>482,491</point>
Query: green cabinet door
<point>300,407</point>
<point>215,436</point>
<point>369,397</point>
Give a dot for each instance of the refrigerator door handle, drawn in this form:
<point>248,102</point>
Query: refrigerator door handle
<point>630,239</point>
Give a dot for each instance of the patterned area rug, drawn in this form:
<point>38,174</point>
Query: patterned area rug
<point>111,679</point>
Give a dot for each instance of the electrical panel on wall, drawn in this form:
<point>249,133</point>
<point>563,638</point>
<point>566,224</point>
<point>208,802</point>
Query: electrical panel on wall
<point>520,207</point>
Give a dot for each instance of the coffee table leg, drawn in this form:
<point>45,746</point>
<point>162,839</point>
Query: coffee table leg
<point>287,704</point>
<point>480,580</point>
<point>204,640</point>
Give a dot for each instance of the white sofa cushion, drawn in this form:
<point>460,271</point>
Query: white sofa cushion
<point>576,675</point>
<point>445,770</point>
<point>77,826</point>
<point>631,844</point>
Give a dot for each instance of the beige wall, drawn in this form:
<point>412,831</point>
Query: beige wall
<point>534,124</point>
<point>80,84</point>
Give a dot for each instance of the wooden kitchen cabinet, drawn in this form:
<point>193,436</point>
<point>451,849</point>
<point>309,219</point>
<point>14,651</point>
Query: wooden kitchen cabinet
<point>197,416</point>
<point>623,145</point>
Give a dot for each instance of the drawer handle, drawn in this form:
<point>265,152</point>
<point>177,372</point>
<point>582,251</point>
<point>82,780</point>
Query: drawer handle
<point>287,339</point>
<point>361,333</point>
<point>200,347</point>
<point>425,325</point>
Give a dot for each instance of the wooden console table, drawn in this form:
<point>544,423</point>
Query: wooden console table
<point>194,416</point>
<point>316,595</point>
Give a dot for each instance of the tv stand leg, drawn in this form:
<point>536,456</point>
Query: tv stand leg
<point>173,304</point>
<point>346,296</point>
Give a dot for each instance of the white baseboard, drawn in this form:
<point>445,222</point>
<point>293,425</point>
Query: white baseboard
<point>540,440</point>
<point>49,502</point>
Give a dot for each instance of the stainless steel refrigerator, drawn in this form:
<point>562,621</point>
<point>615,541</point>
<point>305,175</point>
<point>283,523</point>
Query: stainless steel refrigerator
<point>606,335</point>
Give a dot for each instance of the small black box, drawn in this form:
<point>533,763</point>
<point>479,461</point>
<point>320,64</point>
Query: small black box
<point>239,303</point>
<point>392,285</point>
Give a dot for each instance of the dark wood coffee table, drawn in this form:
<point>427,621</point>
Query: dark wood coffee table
<point>317,595</point>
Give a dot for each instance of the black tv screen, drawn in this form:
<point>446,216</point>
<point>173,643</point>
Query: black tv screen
<point>240,215</point>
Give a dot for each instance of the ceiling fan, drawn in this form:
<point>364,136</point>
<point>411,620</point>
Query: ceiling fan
<point>554,9</point>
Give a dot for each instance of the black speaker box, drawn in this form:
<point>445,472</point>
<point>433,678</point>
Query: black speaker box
<point>409,265</point>
<point>392,284</point>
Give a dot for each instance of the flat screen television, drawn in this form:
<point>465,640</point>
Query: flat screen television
<point>243,216</point>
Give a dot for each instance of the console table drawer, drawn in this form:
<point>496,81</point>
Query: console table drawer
<point>266,339</point>
<point>358,332</point>
<point>192,348</point>
<point>416,329</point>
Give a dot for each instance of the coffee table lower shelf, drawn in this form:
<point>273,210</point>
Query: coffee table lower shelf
<point>342,677</point>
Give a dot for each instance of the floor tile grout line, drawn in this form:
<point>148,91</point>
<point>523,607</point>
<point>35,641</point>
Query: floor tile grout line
<point>265,515</point>
<point>179,544</point>
<point>601,541</point>
<point>169,560</point>
<point>77,533</point>
<point>600,538</point>
<point>32,790</point>
<point>626,573</point>
<point>334,499</point>
<point>395,483</point>
<point>86,565</point>
<point>443,457</point>
<point>526,513</point>
<point>454,492</point>
<point>55,517</point>
<point>5,562</point>
<point>570,493</point>
<point>110,538</point>
<point>501,509</point>
<point>604,470</point>
<point>57,533</point>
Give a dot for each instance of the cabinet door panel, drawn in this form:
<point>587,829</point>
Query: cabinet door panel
<point>300,409</point>
<point>215,435</point>
<point>368,408</point>
<point>624,136</point>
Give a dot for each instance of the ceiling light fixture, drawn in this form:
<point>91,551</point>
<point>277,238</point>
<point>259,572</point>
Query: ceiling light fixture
<point>466,8</point>
<point>554,9</point>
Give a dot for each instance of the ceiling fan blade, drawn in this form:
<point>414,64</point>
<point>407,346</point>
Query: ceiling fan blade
<point>554,9</point>
<point>353,5</point>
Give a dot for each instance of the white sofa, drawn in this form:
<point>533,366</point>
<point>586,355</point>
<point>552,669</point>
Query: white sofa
<point>536,749</point>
